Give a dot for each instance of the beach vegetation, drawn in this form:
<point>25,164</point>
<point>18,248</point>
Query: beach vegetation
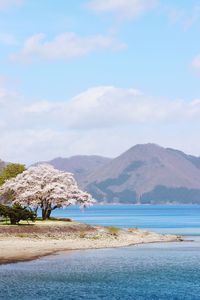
<point>82,232</point>
<point>95,237</point>
<point>113,230</point>
<point>16,213</point>
<point>22,235</point>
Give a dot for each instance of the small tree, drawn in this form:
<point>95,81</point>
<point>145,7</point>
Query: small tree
<point>16,213</point>
<point>11,171</point>
<point>45,187</point>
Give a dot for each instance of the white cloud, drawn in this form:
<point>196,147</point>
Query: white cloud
<point>65,46</point>
<point>109,107</point>
<point>39,107</point>
<point>5,4</point>
<point>102,120</point>
<point>123,8</point>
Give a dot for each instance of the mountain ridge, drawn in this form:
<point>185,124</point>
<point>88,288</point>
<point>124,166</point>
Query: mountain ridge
<point>79,165</point>
<point>144,169</point>
<point>145,173</point>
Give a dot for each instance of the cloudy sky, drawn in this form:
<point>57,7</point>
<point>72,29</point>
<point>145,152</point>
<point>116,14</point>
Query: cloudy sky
<point>98,76</point>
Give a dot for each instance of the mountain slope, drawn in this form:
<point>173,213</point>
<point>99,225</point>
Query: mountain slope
<point>193,159</point>
<point>147,173</point>
<point>80,165</point>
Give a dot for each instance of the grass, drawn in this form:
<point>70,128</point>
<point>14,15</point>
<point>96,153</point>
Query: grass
<point>47,229</point>
<point>113,230</point>
<point>40,222</point>
<point>96,237</point>
<point>82,232</point>
<point>22,235</point>
<point>54,222</point>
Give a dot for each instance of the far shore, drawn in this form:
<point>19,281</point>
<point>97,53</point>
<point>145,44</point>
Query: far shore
<point>146,204</point>
<point>28,242</point>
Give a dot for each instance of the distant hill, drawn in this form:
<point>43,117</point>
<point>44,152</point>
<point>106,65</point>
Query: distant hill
<point>147,174</point>
<point>81,165</point>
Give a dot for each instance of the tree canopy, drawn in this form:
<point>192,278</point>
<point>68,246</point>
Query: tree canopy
<point>11,171</point>
<point>45,187</point>
<point>2,165</point>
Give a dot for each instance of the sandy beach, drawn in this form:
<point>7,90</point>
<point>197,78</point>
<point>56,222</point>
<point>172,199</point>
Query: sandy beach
<point>21,244</point>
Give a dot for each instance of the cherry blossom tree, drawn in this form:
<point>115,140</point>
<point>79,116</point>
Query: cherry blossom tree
<point>45,187</point>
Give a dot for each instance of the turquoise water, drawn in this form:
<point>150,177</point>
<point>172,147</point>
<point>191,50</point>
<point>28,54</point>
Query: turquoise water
<point>154,271</point>
<point>183,219</point>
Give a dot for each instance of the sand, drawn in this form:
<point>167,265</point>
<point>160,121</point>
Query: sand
<point>15,247</point>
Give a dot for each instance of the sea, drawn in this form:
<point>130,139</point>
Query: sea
<point>147,271</point>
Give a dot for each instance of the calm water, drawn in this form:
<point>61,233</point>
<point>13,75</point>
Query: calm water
<point>156,271</point>
<point>166,219</point>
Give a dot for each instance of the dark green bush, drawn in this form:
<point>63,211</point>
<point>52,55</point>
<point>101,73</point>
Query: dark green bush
<point>16,213</point>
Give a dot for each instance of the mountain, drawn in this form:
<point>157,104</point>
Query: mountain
<point>147,174</point>
<point>193,159</point>
<point>80,165</point>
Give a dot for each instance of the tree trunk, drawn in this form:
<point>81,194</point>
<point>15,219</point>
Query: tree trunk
<point>46,212</point>
<point>49,213</point>
<point>13,221</point>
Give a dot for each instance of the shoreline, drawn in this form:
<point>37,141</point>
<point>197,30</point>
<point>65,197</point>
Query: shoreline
<point>15,248</point>
<point>60,251</point>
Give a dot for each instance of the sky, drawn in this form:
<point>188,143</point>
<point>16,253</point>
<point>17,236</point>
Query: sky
<point>98,77</point>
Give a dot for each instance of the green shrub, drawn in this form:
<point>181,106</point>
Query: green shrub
<point>82,232</point>
<point>16,213</point>
<point>11,171</point>
<point>22,235</point>
<point>113,230</point>
<point>96,237</point>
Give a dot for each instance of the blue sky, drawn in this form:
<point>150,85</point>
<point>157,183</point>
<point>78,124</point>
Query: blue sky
<point>65,64</point>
